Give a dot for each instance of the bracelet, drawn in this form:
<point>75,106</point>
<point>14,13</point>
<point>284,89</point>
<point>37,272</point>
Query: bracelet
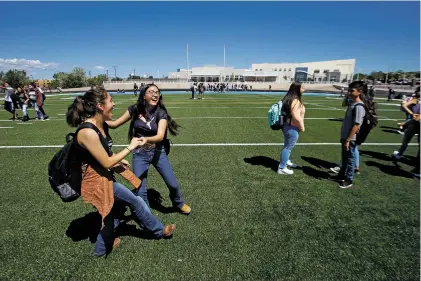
<point>128,149</point>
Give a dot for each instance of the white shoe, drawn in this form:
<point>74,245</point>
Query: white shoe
<point>336,170</point>
<point>290,164</point>
<point>285,171</point>
<point>396,155</point>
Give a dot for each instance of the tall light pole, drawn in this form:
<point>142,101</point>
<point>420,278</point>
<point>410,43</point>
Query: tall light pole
<point>115,71</point>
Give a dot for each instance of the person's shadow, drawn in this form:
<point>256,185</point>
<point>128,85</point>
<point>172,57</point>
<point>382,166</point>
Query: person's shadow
<point>155,202</point>
<point>263,161</point>
<point>393,170</point>
<point>319,163</point>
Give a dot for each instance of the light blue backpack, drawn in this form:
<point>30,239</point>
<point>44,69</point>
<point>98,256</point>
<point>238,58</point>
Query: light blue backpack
<point>276,116</point>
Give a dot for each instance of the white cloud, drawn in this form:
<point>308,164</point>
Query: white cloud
<point>99,67</point>
<point>24,64</point>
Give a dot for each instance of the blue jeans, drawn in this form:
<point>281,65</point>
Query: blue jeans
<point>348,161</point>
<point>158,158</point>
<point>291,134</point>
<point>357,158</point>
<point>141,212</point>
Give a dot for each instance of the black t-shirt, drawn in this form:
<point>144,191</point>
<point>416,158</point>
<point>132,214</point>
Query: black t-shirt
<point>147,126</point>
<point>107,143</point>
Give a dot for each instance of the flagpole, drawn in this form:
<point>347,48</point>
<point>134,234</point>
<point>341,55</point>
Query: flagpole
<point>188,66</point>
<point>224,55</point>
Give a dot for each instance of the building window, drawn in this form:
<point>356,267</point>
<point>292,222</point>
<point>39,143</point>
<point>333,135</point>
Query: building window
<point>289,69</point>
<point>317,71</point>
<point>326,71</point>
<point>336,70</point>
<point>285,69</point>
<point>256,69</point>
<point>276,69</point>
<point>261,69</point>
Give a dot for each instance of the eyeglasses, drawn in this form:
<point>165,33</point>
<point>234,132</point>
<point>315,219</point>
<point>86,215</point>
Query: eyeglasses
<point>151,92</point>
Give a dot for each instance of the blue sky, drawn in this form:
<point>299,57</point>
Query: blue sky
<point>152,36</point>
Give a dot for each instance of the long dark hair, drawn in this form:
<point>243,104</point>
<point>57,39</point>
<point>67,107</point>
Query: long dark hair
<point>140,108</point>
<point>364,96</point>
<point>294,93</point>
<point>85,106</point>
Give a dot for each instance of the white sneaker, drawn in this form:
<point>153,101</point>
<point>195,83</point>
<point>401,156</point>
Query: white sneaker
<point>396,155</point>
<point>290,164</point>
<point>285,171</point>
<point>336,170</point>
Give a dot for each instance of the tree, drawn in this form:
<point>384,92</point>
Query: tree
<point>97,80</point>
<point>16,78</point>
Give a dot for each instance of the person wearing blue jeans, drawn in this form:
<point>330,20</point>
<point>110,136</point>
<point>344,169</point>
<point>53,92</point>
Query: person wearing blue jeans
<point>293,111</point>
<point>351,124</point>
<point>356,164</point>
<point>291,134</point>
<point>150,121</point>
<point>142,159</point>
<point>141,212</point>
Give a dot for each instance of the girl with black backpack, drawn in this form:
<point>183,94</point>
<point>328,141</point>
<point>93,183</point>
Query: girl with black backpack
<point>89,113</point>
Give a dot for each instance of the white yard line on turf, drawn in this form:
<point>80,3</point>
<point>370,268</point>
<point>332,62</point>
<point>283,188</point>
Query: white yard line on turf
<point>6,127</point>
<point>223,144</point>
<point>23,123</point>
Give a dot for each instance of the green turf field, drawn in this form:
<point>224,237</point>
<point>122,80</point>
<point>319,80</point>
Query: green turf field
<point>247,223</point>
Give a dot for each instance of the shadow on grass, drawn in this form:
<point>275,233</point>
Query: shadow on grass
<point>319,175</point>
<point>408,160</point>
<point>395,131</point>
<point>392,170</point>
<point>319,162</point>
<point>389,127</point>
<point>263,161</point>
<point>155,202</point>
<point>86,227</point>
<point>336,119</point>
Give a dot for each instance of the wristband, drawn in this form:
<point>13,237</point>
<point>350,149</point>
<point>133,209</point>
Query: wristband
<point>128,149</point>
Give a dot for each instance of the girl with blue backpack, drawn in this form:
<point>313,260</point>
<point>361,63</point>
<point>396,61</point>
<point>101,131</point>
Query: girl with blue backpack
<point>294,109</point>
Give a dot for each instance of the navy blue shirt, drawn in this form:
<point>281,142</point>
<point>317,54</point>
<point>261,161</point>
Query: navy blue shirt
<point>147,126</point>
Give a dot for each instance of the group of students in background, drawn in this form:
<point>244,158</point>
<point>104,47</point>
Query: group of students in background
<point>359,101</point>
<point>24,97</point>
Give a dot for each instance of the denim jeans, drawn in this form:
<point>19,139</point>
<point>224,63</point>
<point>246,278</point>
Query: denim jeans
<point>413,128</point>
<point>158,158</point>
<point>357,158</point>
<point>38,111</point>
<point>141,212</point>
<point>24,108</point>
<point>291,134</point>
<point>348,161</point>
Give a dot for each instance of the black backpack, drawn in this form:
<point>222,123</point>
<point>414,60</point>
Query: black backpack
<point>65,169</point>
<point>369,122</point>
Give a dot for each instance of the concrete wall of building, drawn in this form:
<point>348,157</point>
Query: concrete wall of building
<point>345,67</point>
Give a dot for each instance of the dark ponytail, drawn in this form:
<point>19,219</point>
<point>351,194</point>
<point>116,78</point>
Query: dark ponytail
<point>85,106</point>
<point>140,108</point>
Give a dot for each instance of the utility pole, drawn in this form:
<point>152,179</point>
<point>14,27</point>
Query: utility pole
<point>90,74</point>
<point>115,71</point>
<point>134,72</point>
<point>107,74</point>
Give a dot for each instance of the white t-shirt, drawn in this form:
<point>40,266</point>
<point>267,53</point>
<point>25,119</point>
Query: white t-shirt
<point>9,92</point>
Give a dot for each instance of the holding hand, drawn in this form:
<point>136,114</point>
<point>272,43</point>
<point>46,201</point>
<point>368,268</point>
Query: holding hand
<point>416,117</point>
